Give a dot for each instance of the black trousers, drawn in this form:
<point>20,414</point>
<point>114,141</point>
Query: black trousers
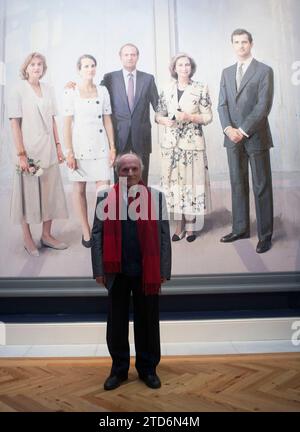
<point>144,156</point>
<point>238,160</point>
<point>146,327</point>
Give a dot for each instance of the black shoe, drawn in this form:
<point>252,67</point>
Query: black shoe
<point>86,243</point>
<point>229,238</point>
<point>151,381</point>
<point>113,381</point>
<point>263,246</point>
<point>191,238</point>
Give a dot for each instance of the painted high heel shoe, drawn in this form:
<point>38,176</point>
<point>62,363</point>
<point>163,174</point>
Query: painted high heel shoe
<point>190,238</point>
<point>59,246</point>
<point>177,237</point>
<point>34,252</point>
<point>86,243</point>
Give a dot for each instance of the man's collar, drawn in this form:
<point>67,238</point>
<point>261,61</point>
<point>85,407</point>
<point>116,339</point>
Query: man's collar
<point>245,62</point>
<point>126,72</point>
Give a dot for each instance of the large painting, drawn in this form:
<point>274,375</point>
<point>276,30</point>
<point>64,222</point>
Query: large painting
<point>63,30</point>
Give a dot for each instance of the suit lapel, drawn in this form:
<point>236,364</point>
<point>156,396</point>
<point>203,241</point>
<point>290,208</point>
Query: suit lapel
<point>139,87</point>
<point>121,87</point>
<point>232,80</point>
<point>248,75</point>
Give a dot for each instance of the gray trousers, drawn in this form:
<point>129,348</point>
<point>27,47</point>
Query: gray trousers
<point>238,160</point>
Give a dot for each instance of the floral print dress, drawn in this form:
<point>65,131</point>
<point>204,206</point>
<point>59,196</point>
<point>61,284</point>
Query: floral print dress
<point>184,167</point>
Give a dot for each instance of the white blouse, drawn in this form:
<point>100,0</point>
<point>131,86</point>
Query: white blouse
<point>37,121</point>
<point>89,137</point>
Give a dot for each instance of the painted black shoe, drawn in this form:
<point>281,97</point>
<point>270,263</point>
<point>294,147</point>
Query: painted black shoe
<point>151,381</point>
<point>231,237</point>
<point>190,238</point>
<point>86,243</point>
<point>113,382</point>
<point>263,246</point>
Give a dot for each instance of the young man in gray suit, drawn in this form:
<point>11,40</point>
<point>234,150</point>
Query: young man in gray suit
<point>245,101</point>
<point>131,93</point>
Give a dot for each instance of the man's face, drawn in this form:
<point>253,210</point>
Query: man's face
<point>242,46</point>
<point>129,57</point>
<point>130,167</point>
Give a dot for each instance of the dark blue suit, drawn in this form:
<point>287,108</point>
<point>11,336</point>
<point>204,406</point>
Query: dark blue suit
<point>132,129</point>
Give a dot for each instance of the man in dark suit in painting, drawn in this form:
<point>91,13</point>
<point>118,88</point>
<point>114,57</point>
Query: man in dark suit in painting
<point>131,93</point>
<point>245,101</point>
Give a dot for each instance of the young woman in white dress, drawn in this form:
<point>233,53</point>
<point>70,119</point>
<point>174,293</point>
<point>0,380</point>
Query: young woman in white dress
<point>31,110</point>
<point>89,138</point>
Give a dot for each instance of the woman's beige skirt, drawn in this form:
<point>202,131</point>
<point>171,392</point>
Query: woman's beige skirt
<point>185,181</point>
<point>38,199</point>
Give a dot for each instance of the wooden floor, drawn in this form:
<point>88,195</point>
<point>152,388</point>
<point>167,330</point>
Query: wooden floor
<point>269,382</point>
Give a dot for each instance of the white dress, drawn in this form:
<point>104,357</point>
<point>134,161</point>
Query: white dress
<point>89,139</point>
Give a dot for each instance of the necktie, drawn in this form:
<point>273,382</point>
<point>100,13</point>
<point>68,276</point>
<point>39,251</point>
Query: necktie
<point>130,91</point>
<point>239,77</point>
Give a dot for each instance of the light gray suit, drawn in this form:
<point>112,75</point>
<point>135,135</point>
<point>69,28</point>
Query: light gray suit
<point>248,109</point>
<point>132,129</point>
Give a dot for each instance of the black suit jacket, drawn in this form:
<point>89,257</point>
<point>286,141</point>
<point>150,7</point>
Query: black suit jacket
<point>163,236</point>
<point>136,123</point>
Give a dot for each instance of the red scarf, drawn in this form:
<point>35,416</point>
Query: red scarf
<point>147,235</point>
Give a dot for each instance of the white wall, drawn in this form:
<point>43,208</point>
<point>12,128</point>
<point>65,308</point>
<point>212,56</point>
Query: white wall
<point>204,29</point>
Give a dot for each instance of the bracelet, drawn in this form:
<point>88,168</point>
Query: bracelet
<point>113,149</point>
<point>22,153</point>
<point>58,143</point>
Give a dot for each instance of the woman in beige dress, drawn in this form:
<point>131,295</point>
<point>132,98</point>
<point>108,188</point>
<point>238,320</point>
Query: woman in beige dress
<point>35,198</point>
<point>184,108</point>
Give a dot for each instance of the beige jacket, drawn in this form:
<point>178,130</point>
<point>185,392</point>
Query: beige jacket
<point>194,100</point>
<point>37,121</point>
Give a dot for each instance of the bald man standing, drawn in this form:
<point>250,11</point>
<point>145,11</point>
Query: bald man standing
<point>131,253</point>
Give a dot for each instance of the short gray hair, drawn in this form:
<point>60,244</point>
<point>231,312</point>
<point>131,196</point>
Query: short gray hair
<point>131,45</point>
<point>119,158</point>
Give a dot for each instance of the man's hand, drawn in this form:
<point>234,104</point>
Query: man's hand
<point>163,280</point>
<point>71,85</point>
<point>101,280</point>
<point>234,135</point>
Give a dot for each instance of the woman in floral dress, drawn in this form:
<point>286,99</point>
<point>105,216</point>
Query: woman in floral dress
<point>184,108</point>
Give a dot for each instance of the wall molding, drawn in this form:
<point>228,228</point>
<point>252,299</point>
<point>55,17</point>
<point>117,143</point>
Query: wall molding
<point>185,284</point>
